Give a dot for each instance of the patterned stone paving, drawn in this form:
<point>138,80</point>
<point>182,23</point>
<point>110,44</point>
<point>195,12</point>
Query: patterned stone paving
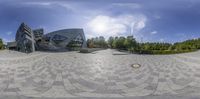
<point>105,73</point>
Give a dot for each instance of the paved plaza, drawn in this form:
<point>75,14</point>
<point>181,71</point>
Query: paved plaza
<point>101,74</point>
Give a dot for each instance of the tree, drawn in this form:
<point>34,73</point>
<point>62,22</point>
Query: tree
<point>90,43</point>
<point>97,42</point>
<point>130,43</point>
<point>102,42</point>
<point>110,42</point>
<point>172,47</point>
<point>1,44</point>
<point>120,42</point>
<point>114,44</point>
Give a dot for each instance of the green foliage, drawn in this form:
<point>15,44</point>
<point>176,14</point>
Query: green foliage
<point>110,41</point>
<point>1,44</point>
<point>188,45</point>
<point>167,48</point>
<point>119,43</point>
<point>130,44</point>
<point>155,46</point>
<point>98,42</point>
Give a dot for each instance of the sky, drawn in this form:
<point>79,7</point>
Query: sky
<point>147,20</point>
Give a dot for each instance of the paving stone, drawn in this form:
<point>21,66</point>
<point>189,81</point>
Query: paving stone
<point>181,81</point>
<point>140,76</point>
<point>149,80</point>
<point>11,90</point>
<point>131,85</point>
<point>155,74</point>
<point>109,91</point>
<point>124,79</point>
<point>110,83</point>
<point>100,80</point>
<point>88,84</point>
<point>151,87</point>
<point>58,83</point>
<point>100,75</point>
<point>162,80</point>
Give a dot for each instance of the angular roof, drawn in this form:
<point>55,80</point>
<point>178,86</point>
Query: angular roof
<point>69,33</point>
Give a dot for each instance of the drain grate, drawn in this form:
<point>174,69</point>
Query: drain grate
<point>136,65</point>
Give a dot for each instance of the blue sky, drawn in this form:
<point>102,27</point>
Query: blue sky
<point>149,20</point>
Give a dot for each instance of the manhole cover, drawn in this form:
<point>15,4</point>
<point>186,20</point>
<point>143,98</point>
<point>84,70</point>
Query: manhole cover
<point>136,65</point>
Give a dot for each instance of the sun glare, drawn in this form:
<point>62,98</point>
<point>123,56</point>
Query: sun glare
<point>100,27</point>
<point>100,24</point>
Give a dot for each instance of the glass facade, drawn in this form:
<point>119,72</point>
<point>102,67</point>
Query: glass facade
<point>24,39</point>
<point>38,33</point>
<point>67,39</point>
<point>76,43</point>
<point>58,38</point>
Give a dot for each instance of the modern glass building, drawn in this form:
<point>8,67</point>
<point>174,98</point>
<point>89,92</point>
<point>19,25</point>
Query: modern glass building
<point>38,33</point>
<point>25,39</point>
<point>69,39</point>
<point>28,40</point>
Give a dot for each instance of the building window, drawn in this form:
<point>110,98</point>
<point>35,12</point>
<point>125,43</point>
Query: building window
<point>58,38</point>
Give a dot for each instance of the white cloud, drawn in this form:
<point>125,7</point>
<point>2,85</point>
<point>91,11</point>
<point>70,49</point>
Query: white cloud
<point>96,23</point>
<point>115,26</point>
<point>9,33</point>
<point>154,32</point>
<point>129,5</point>
<point>140,25</point>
